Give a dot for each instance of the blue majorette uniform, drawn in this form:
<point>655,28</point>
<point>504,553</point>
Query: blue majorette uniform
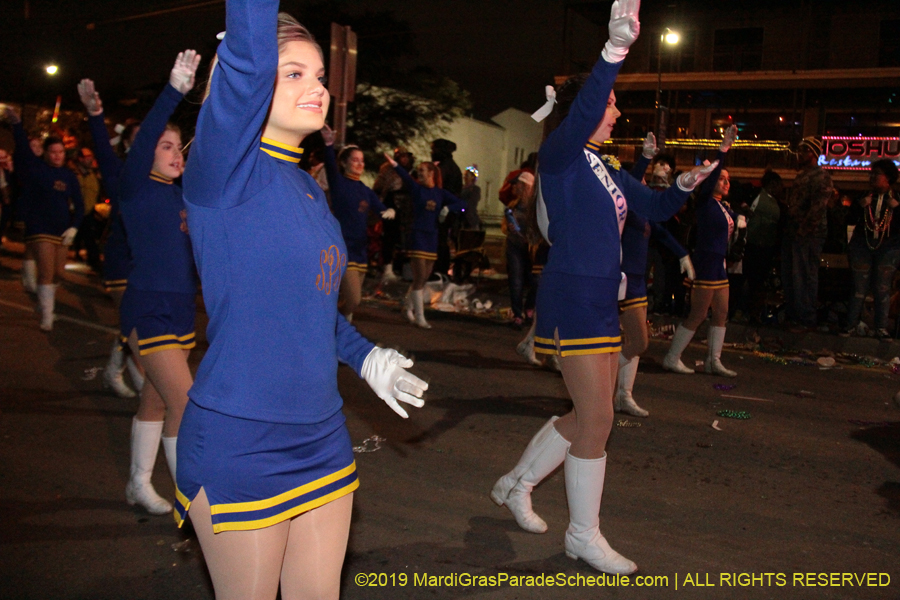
<point>263,433</point>
<point>715,224</point>
<point>116,255</point>
<point>159,302</point>
<point>427,205</point>
<point>48,194</point>
<point>351,201</point>
<point>635,244</point>
<point>585,195</point>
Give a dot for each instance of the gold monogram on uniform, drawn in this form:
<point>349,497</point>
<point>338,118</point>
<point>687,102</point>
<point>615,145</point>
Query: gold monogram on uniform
<point>431,205</point>
<point>59,186</point>
<point>331,263</point>
<point>363,207</point>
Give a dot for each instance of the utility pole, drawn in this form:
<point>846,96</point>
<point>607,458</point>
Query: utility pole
<point>342,77</point>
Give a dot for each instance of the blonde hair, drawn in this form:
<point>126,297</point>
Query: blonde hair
<point>289,30</point>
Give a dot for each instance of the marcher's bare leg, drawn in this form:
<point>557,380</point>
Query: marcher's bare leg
<point>351,292</point>
<point>47,256</point>
<point>715,337</point>
<point>421,271</point>
<point>590,380</point>
<point>316,546</point>
<point>170,379</point>
<point>243,565</point>
<point>701,300</point>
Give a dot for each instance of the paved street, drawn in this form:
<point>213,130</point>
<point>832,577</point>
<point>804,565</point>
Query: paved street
<point>809,484</point>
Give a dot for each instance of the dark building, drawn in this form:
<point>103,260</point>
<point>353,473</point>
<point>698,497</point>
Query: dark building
<point>780,70</point>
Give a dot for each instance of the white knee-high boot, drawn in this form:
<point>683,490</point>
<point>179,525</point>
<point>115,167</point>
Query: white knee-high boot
<point>419,308</point>
<point>526,346</point>
<point>584,491</point>
<point>137,378</point>
<point>624,401</point>
<point>672,361</point>
<point>145,436</point>
<point>47,301</point>
<point>29,275</point>
<point>409,306</point>
<point>715,338</point>
<point>169,447</point>
<point>112,374</point>
<point>544,453</point>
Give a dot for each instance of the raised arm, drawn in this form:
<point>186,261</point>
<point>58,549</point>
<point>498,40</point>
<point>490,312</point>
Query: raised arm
<point>23,158</point>
<point>143,150</point>
<point>230,123</point>
<point>566,143</point>
<point>109,162</point>
<point>649,150</point>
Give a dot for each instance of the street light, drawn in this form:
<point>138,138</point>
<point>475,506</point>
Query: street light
<point>52,70</point>
<point>671,38</point>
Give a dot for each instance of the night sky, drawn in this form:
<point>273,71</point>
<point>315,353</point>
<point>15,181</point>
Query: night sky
<point>503,52</point>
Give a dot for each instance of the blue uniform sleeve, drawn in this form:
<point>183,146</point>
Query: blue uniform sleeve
<point>25,160</point>
<point>109,162</point>
<point>454,203</point>
<point>226,144</point>
<point>332,172</point>
<point>651,204</point>
<point>352,347</point>
<point>709,184</point>
<point>140,158</point>
<point>77,202</point>
<point>375,202</point>
<point>663,236</point>
<point>640,167</point>
<point>566,143</point>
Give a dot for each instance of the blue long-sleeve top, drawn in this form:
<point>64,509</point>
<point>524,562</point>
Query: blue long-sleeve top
<point>712,224</point>
<point>116,249</point>
<point>351,201</point>
<point>585,219</point>
<point>269,251</point>
<point>48,191</point>
<point>153,210</point>
<point>428,202</point>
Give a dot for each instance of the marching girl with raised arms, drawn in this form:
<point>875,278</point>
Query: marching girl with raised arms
<point>584,196</point>
<point>159,304</point>
<point>430,201</point>
<point>716,223</point>
<point>351,201</point>
<point>116,255</point>
<point>265,465</point>
<point>50,226</point>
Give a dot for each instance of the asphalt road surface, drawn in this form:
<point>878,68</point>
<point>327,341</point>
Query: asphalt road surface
<point>803,495</point>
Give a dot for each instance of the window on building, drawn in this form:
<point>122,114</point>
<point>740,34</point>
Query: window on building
<point>738,49</point>
<point>889,44</point>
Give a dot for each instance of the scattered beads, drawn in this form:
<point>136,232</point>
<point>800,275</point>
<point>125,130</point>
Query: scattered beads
<point>734,414</point>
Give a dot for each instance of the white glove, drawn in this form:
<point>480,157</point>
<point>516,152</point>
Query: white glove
<point>731,135</point>
<point>68,236</point>
<point>385,371</point>
<point>388,214</point>
<point>327,135</point>
<point>742,222</point>
<point>650,148</point>
<point>624,29</point>
<point>90,98</point>
<point>691,179</point>
<point>687,267</point>
<point>182,76</point>
<point>443,214</point>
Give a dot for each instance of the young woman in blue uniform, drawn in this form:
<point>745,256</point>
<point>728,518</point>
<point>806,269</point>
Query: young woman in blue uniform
<point>715,225</point>
<point>50,226</point>
<point>430,201</point>
<point>116,255</point>
<point>351,201</point>
<point>633,309</point>
<point>265,465</point>
<point>158,307</point>
<point>584,198</point>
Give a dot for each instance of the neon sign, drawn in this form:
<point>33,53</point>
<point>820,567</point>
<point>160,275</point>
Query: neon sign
<point>858,153</point>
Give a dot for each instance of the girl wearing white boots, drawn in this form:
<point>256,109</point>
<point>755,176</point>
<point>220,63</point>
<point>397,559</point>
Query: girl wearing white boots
<point>159,304</point>
<point>50,227</point>
<point>715,225</point>
<point>430,201</point>
<point>581,213</point>
<point>116,256</point>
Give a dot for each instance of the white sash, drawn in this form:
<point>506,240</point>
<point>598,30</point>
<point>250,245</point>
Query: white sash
<point>606,180</point>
